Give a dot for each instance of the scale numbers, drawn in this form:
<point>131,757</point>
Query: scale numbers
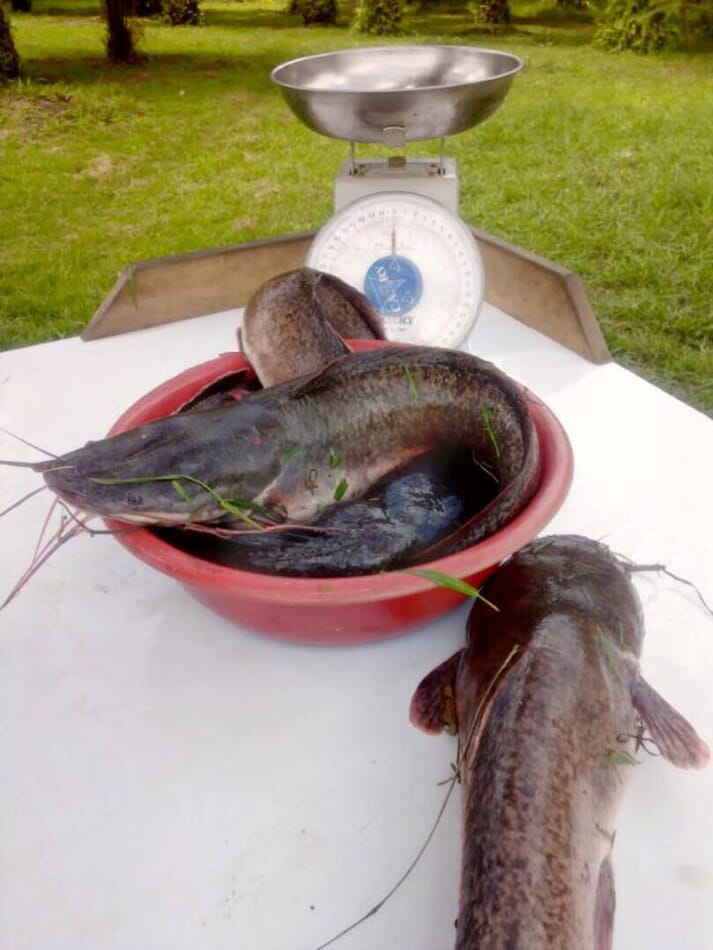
<point>418,264</point>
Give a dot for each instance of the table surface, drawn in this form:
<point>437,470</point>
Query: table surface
<point>169,780</point>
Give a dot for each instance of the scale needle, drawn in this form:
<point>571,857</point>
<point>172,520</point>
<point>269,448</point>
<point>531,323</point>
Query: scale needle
<point>393,239</point>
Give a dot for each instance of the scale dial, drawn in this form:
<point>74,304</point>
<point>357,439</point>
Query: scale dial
<point>418,264</point>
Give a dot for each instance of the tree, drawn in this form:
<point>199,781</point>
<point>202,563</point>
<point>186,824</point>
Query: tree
<point>9,60</point>
<point>120,47</point>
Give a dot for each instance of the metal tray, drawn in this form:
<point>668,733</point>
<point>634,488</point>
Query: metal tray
<point>421,92</point>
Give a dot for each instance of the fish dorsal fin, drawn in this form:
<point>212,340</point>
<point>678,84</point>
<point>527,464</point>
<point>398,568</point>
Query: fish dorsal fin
<point>348,311</point>
<point>433,706</point>
<point>312,383</point>
<point>676,738</point>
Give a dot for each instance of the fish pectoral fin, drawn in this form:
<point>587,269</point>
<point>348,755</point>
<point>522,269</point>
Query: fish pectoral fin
<point>433,705</point>
<point>676,738</point>
<point>604,907</point>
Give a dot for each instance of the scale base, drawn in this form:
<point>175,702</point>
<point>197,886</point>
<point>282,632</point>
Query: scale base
<point>433,178</point>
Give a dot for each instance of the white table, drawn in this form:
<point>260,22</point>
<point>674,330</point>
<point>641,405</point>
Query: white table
<point>171,782</point>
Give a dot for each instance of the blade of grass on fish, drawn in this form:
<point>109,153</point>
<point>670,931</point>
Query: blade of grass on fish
<point>611,655</point>
<point>486,410</point>
<point>462,751</point>
<point>662,569</point>
<point>341,489</point>
<point>614,757</point>
<point>232,507</point>
<point>290,452</point>
<point>419,854</point>
<point>451,583</point>
<point>180,490</point>
<point>452,782</point>
<point>410,379</point>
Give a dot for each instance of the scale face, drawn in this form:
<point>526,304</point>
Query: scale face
<point>418,264</point>
<point>416,260</point>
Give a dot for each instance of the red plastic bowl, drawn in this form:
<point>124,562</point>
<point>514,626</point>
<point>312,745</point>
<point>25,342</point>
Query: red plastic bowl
<point>339,610</point>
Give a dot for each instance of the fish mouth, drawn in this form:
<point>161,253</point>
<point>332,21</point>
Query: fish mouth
<point>154,473</point>
<point>117,477</point>
<point>134,500</point>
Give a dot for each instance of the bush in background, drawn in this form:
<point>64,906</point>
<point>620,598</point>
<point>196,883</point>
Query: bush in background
<point>379,17</point>
<point>491,12</point>
<point>641,25</point>
<point>314,11</point>
<point>181,12</point>
<point>647,26</point>
<point>144,8</point>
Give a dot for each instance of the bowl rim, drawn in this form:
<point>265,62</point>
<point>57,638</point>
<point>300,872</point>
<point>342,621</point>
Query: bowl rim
<point>276,75</point>
<point>405,51</point>
<point>555,479</point>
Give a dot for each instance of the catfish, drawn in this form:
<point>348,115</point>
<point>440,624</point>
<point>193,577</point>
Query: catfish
<point>550,707</point>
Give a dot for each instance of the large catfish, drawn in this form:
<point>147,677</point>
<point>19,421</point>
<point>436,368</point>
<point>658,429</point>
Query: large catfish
<point>401,520</point>
<point>548,701</point>
<point>298,321</point>
<point>299,446</point>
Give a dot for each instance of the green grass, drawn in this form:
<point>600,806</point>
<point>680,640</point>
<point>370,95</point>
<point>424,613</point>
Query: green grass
<point>599,161</point>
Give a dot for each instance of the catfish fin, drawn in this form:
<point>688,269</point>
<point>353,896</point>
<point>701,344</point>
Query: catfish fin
<point>226,389</point>
<point>347,309</point>
<point>604,907</point>
<point>312,382</point>
<point>676,738</point>
<point>433,705</point>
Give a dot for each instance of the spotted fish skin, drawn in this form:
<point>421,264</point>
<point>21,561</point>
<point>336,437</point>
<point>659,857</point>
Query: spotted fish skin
<point>394,526</point>
<point>547,698</point>
<point>298,321</point>
<point>298,446</point>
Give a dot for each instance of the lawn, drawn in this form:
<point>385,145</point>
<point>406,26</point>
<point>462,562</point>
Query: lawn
<point>599,161</point>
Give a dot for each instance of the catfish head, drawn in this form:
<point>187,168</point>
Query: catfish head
<point>182,468</point>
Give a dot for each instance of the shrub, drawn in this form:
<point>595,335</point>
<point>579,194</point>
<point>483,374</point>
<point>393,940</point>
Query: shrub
<point>145,8</point>
<point>314,11</point>
<point>641,25</point>
<point>21,6</point>
<point>492,12</point>
<point>181,12</point>
<point>650,25</point>
<point>380,17</point>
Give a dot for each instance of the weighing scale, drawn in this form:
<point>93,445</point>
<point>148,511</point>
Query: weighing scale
<point>396,234</point>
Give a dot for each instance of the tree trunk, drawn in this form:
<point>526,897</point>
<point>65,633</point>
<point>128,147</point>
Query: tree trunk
<point>9,60</point>
<point>119,41</point>
<point>495,11</point>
